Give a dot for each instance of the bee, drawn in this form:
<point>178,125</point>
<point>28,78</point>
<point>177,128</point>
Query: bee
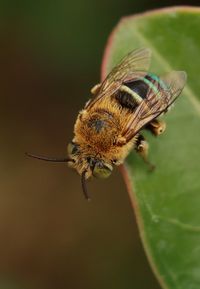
<point>129,100</point>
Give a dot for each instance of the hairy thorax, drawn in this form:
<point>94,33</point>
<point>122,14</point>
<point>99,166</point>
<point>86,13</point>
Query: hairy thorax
<point>97,130</point>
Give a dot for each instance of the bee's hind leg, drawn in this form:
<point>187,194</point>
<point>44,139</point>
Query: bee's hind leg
<point>156,127</point>
<point>142,147</point>
<point>95,89</point>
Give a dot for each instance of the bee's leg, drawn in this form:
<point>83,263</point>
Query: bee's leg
<point>95,89</point>
<point>142,147</point>
<point>156,127</point>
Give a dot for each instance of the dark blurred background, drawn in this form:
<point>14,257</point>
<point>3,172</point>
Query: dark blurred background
<point>50,237</point>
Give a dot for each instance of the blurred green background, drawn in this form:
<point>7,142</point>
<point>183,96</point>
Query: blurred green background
<point>50,237</point>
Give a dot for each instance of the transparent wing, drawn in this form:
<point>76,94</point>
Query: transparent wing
<point>159,98</point>
<point>135,63</point>
<point>133,66</point>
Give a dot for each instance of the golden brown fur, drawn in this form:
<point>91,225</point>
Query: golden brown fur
<point>101,144</point>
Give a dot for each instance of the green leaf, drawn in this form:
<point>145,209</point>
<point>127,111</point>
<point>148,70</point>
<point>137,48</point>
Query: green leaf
<point>167,201</point>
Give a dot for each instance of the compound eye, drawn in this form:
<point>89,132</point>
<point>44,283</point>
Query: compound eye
<point>72,148</point>
<point>102,170</point>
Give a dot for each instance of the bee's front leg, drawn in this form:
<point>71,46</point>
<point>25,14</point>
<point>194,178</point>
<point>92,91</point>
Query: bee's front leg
<point>95,89</point>
<point>156,127</point>
<point>142,147</point>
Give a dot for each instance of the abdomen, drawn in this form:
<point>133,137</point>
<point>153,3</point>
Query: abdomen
<point>140,87</point>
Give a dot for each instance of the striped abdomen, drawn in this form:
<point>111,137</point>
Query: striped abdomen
<point>140,89</point>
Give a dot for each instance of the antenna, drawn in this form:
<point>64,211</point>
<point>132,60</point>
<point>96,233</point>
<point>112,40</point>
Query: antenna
<point>43,158</point>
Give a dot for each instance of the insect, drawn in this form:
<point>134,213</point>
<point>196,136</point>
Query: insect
<point>129,100</point>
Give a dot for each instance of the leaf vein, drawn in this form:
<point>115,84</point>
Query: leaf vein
<point>185,226</point>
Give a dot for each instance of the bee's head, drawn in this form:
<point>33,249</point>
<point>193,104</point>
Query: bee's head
<point>82,162</point>
<point>87,165</point>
